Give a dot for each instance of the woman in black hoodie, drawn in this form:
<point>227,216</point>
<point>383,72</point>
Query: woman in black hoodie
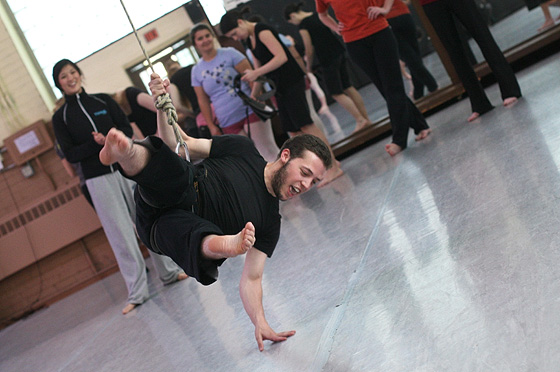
<point>80,126</point>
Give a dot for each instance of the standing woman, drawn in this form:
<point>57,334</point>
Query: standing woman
<point>80,126</point>
<point>273,59</point>
<point>372,46</point>
<point>212,79</point>
<point>319,40</point>
<point>404,29</point>
<point>441,14</point>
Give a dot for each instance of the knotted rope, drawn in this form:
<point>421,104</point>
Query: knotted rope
<point>164,102</point>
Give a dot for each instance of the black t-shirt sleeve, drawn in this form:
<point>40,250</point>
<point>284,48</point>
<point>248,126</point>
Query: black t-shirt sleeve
<point>231,145</point>
<point>267,239</point>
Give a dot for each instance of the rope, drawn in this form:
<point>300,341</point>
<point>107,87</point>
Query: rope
<point>164,102</point>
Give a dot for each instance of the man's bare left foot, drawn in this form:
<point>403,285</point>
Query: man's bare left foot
<point>182,276</point>
<point>223,246</point>
<point>393,149</point>
<point>117,147</point>
<point>423,134</point>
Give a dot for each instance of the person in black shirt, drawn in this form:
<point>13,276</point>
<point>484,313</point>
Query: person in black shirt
<point>224,206</point>
<point>273,59</point>
<point>81,125</point>
<point>139,109</point>
<point>319,40</point>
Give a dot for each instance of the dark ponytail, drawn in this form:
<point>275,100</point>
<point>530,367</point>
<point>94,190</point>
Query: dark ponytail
<point>229,20</point>
<point>292,8</point>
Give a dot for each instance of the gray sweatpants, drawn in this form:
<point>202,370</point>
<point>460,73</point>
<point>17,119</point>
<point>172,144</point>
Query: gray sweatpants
<point>112,196</point>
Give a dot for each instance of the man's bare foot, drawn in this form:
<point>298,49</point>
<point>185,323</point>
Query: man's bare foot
<point>128,308</point>
<point>393,149</point>
<point>509,101</point>
<point>216,247</point>
<point>182,276</point>
<point>423,134</point>
<point>474,116</point>
<point>117,147</point>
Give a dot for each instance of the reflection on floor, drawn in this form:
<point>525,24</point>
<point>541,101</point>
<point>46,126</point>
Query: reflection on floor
<point>444,258</point>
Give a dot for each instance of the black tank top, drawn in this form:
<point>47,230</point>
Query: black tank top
<point>285,75</point>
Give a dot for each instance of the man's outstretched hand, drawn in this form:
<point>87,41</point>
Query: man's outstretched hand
<point>266,333</point>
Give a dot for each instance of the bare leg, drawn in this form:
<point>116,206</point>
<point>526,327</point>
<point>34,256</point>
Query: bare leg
<point>314,116</point>
<point>335,171</point>
<point>358,101</point>
<point>215,247</point>
<point>348,104</point>
<point>548,20</point>
<point>262,135</point>
<point>119,148</point>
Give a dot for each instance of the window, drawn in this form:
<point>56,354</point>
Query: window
<point>75,29</point>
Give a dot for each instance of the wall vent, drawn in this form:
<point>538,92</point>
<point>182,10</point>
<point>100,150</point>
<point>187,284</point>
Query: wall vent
<point>40,210</point>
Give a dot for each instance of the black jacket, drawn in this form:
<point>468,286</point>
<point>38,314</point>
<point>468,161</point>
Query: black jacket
<point>74,123</point>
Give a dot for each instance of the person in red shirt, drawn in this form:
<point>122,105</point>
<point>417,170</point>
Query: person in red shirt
<point>372,46</point>
<point>441,14</point>
<point>403,27</point>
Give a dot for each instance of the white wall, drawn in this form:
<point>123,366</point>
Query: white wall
<point>105,71</point>
<point>20,101</point>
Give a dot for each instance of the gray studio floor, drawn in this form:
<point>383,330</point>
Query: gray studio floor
<point>444,258</point>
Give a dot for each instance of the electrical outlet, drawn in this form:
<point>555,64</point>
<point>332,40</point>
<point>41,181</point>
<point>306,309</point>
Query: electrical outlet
<point>27,170</point>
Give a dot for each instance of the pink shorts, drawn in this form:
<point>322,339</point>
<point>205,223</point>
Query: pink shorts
<point>230,129</point>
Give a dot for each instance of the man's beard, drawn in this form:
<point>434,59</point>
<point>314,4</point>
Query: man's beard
<point>278,180</point>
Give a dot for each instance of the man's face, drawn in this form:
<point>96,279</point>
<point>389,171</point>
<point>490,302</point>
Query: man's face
<point>297,175</point>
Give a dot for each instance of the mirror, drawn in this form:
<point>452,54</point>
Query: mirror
<point>510,22</point>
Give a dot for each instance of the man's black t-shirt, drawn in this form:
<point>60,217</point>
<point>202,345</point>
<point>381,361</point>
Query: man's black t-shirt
<point>287,74</point>
<point>233,192</point>
<point>327,46</point>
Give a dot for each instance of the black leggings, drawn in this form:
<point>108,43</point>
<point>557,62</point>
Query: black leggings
<point>441,14</point>
<point>165,220</point>
<point>404,30</point>
<point>378,56</point>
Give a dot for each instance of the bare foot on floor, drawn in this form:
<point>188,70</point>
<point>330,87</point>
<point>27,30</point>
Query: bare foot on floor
<point>128,308</point>
<point>423,134</point>
<point>510,101</point>
<point>182,276</point>
<point>331,175</point>
<point>117,147</point>
<point>224,246</point>
<point>392,149</point>
<point>474,116</point>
